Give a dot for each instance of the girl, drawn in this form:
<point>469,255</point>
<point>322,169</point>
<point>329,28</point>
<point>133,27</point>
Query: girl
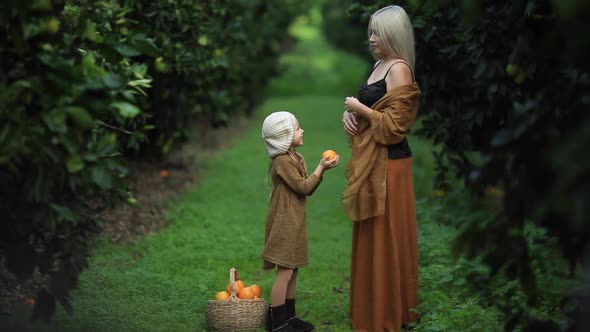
<point>285,244</point>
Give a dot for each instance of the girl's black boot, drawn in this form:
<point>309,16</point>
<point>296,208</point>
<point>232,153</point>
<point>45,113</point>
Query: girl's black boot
<point>278,319</point>
<point>295,321</point>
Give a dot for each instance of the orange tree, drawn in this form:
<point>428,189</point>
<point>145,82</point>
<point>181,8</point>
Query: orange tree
<point>506,95</point>
<point>85,85</point>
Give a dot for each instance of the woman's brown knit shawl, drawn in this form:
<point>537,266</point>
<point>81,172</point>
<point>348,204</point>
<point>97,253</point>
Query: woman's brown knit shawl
<point>364,195</point>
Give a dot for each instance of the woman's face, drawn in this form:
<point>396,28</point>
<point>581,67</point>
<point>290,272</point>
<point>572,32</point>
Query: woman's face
<point>376,47</point>
<point>297,135</point>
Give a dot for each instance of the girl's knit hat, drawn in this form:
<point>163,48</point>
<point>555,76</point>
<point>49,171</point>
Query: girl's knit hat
<point>277,132</point>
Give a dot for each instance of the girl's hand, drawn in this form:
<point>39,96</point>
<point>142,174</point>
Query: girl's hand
<point>349,123</point>
<point>328,164</point>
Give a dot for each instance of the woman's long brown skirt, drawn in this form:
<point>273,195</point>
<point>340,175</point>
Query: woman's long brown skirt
<point>384,266</point>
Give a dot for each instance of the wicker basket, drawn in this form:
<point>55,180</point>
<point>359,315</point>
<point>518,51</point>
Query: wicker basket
<point>236,314</point>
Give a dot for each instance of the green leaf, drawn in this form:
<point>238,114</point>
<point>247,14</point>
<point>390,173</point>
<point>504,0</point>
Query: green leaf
<point>80,116</point>
<point>70,142</point>
<point>74,164</point>
<point>113,81</point>
<point>141,82</point>
<point>127,50</point>
<point>102,177</point>
<point>146,46</point>
<point>90,68</point>
<point>95,84</point>
<point>22,84</point>
<point>5,134</point>
<point>116,165</point>
<point>56,121</point>
<point>90,157</point>
<point>41,5</point>
<point>128,94</point>
<point>64,212</point>
<point>106,144</point>
<point>89,31</point>
<point>125,109</point>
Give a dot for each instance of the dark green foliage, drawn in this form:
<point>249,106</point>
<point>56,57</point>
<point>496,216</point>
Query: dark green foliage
<point>506,95</point>
<point>60,160</point>
<point>84,85</point>
<point>348,33</point>
<point>215,59</point>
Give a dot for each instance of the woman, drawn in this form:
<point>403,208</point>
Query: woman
<point>379,196</point>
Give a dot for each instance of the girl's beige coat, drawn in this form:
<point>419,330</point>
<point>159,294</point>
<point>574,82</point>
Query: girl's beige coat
<point>286,231</point>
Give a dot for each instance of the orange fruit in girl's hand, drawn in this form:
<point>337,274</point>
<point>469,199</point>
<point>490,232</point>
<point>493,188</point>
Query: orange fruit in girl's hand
<point>221,296</point>
<point>256,290</point>
<point>239,285</point>
<point>330,153</point>
<point>246,293</point>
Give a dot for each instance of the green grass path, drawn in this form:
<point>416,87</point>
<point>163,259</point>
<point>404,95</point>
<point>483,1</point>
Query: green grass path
<point>163,282</point>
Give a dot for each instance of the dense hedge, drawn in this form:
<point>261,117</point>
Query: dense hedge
<point>506,95</point>
<point>85,85</point>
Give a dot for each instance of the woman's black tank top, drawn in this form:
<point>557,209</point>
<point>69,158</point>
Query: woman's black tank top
<point>368,95</point>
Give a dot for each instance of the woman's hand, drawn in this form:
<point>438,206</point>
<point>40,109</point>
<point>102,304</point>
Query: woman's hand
<point>349,123</point>
<point>351,104</point>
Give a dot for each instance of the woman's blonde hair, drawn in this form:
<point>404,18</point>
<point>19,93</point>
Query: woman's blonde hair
<point>396,34</point>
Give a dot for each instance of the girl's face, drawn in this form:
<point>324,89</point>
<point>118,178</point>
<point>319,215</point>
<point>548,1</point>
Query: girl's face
<point>297,135</point>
